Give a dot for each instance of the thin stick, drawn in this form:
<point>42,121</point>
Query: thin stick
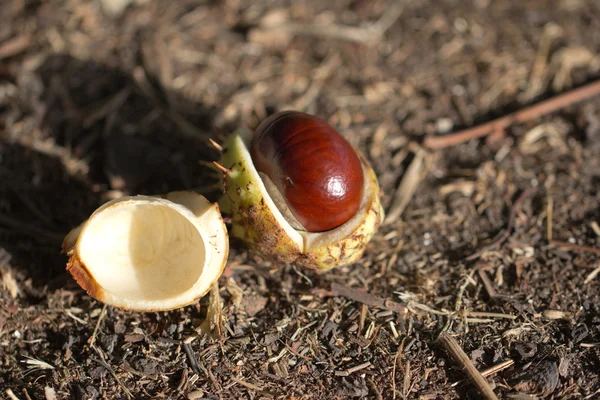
<point>246,384</point>
<point>100,318</point>
<point>364,297</point>
<point>112,372</point>
<point>497,368</point>
<point>592,275</point>
<point>572,246</point>
<point>595,228</point>
<point>457,353</point>
<point>352,370</point>
<point>407,187</point>
<point>406,386</point>
<point>189,352</point>
<point>549,210</point>
<point>14,46</point>
<point>374,388</point>
<point>398,352</point>
<point>518,117</point>
<point>491,370</point>
<point>487,283</point>
<point>481,314</point>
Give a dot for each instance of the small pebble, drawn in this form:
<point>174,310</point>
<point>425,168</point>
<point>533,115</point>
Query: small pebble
<point>444,125</point>
<point>196,394</point>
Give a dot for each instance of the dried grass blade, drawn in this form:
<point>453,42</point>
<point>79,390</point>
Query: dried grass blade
<point>407,187</point>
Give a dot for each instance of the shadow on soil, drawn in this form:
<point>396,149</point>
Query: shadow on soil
<point>92,129</point>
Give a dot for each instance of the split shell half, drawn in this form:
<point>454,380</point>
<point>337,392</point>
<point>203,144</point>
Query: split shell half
<point>257,215</point>
<point>149,253</point>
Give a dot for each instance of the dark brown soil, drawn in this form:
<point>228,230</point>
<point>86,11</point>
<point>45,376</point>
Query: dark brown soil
<point>498,246</point>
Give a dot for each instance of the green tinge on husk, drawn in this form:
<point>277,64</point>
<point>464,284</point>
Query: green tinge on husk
<point>256,219</point>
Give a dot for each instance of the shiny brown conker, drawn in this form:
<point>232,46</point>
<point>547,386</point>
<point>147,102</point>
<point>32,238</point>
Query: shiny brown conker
<point>314,167</point>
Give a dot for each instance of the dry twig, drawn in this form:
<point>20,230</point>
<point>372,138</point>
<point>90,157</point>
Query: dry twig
<point>572,246</point>
<point>396,360</point>
<point>106,365</point>
<point>189,352</point>
<point>407,187</point>
<point>487,283</point>
<point>591,276</point>
<point>247,384</point>
<point>492,370</point>
<point>14,46</point>
<point>458,354</point>
<point>497,368</point>
<point>362,296</point>
<point>352,370</point>
<point>518,117</point>
<point>92,339</point>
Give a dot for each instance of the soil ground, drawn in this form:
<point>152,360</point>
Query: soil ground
<point>497,246</point>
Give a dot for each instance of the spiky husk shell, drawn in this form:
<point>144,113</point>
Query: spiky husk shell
<point>256,220</point>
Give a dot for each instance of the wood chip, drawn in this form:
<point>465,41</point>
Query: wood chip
<point>555,314</point>
<point>50,393</point>
<point>195,395</point>
<point>134,338</point>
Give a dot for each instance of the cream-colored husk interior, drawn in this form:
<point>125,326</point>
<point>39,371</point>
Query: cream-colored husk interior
<point>308,240</point>
<point>153,253</point>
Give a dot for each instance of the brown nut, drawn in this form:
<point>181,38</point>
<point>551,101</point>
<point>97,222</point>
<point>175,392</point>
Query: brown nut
<point>261,215</point>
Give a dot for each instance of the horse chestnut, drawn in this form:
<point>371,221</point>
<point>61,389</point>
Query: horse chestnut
<point>298,193</point>
<point>316,170</point>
